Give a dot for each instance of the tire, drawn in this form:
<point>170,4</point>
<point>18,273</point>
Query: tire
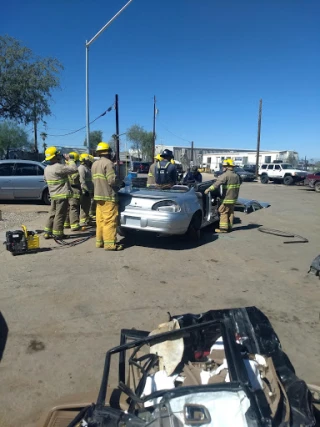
<point>194,230</point>
<point>264,179</point>
<point>317,187</point>
<point>288,180</point>
<point>46,197</point>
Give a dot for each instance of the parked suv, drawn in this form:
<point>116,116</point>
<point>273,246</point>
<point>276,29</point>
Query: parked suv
<point>23,180</point>
<point>281,173</point>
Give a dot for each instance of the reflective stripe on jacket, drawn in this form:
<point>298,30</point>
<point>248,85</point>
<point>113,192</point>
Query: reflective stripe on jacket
<point>56,176</point>
<point>230,182</point>
<point>85,178</point>
<point>104,180</point>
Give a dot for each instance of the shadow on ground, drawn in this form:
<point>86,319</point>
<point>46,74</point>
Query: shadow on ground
<point>174,243</point>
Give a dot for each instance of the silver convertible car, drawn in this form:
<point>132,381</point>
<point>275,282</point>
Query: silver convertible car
<point>176,211</point>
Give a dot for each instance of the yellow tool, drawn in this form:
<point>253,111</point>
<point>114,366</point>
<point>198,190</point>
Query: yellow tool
<point>33,241</point>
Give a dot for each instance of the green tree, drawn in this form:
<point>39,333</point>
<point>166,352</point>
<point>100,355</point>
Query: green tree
<point>12,136</point>
<point>292,159</point>
<point>26,82</point>
<point>141,141</point>
<point>95,136</point>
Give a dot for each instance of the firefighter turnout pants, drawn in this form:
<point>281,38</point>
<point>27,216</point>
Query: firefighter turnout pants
<point>107,220</point>
<point>85,203</point>
<point>72,218</point>
<point>226,217</point>
<point>57,216</point>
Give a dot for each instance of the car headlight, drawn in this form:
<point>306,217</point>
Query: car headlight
<point>166,206</point>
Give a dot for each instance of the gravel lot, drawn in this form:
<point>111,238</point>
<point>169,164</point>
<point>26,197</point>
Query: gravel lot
<point>65,308</point>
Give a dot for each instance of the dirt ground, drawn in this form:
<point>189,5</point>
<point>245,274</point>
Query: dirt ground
<point>65,307</point>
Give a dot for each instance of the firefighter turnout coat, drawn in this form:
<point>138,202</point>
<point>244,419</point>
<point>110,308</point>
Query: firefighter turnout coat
<point>230,182</point>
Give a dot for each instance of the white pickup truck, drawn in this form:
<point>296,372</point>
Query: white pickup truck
<point>280,172</point>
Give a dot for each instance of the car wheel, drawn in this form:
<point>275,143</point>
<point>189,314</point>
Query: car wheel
<point>194,230</point>
<point>264,179</point>
<point>46,197</point>
<point>288,180</point>
<point>317,187</point>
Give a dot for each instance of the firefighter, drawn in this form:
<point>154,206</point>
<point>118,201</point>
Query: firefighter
<point>72,218</point>
<point>193,176</point>
<point>93,206</point>
<point>164,172</point>
<point>105,193</point>
<point>151,174</point>
<point>56,176</point>
<point>230,182</point>
<point>86,188</point>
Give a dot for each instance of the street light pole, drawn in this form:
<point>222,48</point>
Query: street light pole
<point>88,43</point>
<point>87,98</point>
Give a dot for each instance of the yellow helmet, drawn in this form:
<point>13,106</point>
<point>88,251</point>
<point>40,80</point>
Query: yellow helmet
<point>51,152</point>
<point>172,162</point>
<point>74,156</point>
<point>228,162</point>
<point>158,157</point>
<point>83,157</point>
<point>103,146</point>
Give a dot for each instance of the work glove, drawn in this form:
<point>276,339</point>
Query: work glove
<point>207,191</point>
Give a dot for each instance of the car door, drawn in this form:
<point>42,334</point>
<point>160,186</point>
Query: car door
<point>270,171</point>
<point>6,187</point>
<point>28,181</point>
<point>277,171</point>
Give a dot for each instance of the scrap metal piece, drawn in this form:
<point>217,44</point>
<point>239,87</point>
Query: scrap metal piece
<point>284,234</point>
<point>170,352</point>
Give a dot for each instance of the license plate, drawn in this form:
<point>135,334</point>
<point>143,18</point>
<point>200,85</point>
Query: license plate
<point>133,221</point>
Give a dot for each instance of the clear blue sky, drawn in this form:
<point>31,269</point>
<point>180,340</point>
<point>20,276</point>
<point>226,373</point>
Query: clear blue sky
<point>208,62</point>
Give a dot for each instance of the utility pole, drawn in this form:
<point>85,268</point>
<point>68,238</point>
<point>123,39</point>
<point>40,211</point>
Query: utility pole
<point>258,138</point>
<point>35,130</point>
<point>117,136</point>
<point>154,127</point>
<point>192,149</point>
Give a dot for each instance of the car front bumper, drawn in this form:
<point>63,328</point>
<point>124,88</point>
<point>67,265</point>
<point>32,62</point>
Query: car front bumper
<point>158,222</point>
<point>299,178</point>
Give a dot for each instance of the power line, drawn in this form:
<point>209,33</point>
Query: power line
<point>172,133</point>
<point>83,127</point>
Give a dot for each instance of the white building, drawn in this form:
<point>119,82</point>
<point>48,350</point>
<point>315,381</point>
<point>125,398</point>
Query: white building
<point>213,157</point>
<point>246,157</point>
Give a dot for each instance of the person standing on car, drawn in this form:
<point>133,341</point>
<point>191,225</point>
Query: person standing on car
<point>105,195</point>
<point>165,171</point>
<point>193,176</point>
<point>56,175</point>
<point>72,219</point>
<point>230,182</point>
<point>151,174</point>
<point>86,188</point>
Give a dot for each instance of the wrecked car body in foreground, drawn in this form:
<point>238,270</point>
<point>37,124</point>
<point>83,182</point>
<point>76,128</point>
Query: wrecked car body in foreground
<point>219,368</point>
